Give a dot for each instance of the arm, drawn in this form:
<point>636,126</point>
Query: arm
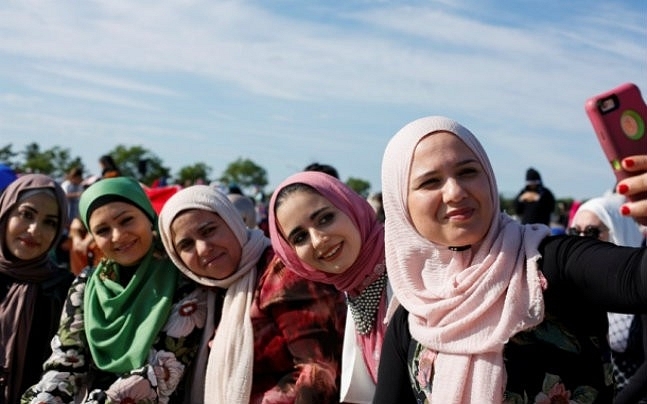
<point>611,277</point>
<point>67,367</point>
<point>393,384</point>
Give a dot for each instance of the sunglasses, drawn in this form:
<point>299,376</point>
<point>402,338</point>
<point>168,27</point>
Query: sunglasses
<point>589,231</point>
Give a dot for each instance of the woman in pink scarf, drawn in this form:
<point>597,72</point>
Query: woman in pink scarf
<point>326,232</point>
<point>491,310</point>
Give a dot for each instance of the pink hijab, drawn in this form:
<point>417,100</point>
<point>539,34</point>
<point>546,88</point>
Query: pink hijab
<point>368,267</point>
<point>463,305</point>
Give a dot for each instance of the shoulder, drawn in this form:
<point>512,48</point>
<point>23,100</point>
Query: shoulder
<point>277,283</point>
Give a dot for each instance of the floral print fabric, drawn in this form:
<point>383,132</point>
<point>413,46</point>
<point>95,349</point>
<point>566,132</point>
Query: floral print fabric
<point>70,375</point>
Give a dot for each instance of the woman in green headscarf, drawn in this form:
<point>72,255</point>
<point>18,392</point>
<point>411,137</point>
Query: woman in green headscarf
<point>131,325</point>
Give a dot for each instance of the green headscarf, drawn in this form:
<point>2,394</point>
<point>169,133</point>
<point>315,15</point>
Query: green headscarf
<point>121,323</point>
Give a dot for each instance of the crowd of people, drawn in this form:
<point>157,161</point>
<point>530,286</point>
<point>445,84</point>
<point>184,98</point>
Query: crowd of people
<point>426,292</point>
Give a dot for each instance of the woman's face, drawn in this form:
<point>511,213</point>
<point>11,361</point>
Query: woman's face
<point>31,226</point>
<point>449,194</point>
<point>122,231</point>
<point>206,244</point>
<point>586,222</point>
<point>322,236</point>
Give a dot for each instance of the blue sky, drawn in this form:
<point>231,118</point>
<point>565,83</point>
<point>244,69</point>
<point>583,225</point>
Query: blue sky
<point>286,83</point>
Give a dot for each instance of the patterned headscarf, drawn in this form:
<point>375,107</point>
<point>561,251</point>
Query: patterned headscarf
<point>464,305</point>
<point>230,363</point>
<point>122,322</point>
<point>17,308</point>
<point>367,268</point>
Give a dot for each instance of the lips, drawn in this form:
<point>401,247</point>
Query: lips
<point>331,254</point>
<point>460,214</point>
<point>29,242</point>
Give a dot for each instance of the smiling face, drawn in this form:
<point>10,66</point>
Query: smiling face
<point>122,231</point>
<point>449,194</point>
<point>32,226</point>
<point>205,244</point>
<point>322,236</point>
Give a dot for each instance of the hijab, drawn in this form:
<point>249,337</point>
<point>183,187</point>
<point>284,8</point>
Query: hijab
<point>463,304</point>
<point>367,268</point>
<point>229,365</point>
<point>17,308</point>
<point>122,322</point>
<point>623,230</point>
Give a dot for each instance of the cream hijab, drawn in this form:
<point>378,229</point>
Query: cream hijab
<point>464,305</point>
<point>230,364</point>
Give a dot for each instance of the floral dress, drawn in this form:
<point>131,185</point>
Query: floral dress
<point>70,376</point>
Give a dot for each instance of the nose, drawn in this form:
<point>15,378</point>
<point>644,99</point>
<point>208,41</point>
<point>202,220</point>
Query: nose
<point>453,191</point>
<point>318,238</point>
<point>201,247</point>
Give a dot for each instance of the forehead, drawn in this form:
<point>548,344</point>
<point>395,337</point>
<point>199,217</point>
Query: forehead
<point>585,218</point>
<point>188,220</point>
<point>111,209</point>
<point>441,148</point>
<point>42,201</point>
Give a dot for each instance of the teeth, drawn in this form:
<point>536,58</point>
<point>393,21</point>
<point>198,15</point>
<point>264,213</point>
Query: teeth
<point>332,252</point>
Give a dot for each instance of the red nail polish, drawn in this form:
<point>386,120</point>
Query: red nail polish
<point>625,210</point>
<point>629,162</point>
<point>623,189</point>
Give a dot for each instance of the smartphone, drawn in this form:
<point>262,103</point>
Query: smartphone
<point>618,117</point>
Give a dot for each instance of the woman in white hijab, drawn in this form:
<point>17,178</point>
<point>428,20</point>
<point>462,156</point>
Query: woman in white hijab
<point>491,310</point>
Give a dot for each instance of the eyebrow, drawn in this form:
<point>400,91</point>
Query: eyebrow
<point>312,216</point>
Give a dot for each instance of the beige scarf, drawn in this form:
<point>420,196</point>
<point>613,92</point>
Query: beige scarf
<point>464,305</point>
<point>230,361</point>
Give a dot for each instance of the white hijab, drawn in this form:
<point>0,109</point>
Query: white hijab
<point>464,305</point>
<point>230,362</point>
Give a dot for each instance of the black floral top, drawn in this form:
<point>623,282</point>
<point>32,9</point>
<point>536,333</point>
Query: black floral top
<point>566,359</point>
<point>70,375</point>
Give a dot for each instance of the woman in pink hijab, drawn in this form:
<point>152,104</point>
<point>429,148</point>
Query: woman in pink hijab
<point>326,232</point>
<point>491,310</point>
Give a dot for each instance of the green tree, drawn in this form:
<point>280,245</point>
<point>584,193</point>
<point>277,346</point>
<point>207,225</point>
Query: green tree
<point>54,162</point>
<point>139,163</point>
<point>193,172</point>
<point>359,185</point>
<point>245,173</point>
<point>7,156</point>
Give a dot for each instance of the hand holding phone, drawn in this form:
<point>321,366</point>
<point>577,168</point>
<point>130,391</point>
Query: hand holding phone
<point>619,119</point>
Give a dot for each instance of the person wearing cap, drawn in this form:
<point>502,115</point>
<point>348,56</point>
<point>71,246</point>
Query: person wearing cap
<point>535,203</point>
<point>131,325</point>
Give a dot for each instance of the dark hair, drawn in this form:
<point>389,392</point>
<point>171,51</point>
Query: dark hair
<point>290,189</point>
<point>109,166</point>
<point>324,168</point>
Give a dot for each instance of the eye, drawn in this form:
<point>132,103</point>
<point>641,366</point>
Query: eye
<point>126,220</point>
<point>429,183</point>
<point>26,214</point>
<point>184,245</point>
<point>326,218</point>
<point>208,231</point>
<point>51,223</point>
<point>299,238</point>
<point>101,231</point>
<point>468,172</point>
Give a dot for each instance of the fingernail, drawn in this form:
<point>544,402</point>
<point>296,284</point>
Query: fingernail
<point>629,162</point>
<point>625,210</point>
<point>623,189</point>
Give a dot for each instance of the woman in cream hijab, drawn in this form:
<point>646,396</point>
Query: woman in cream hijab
<point>491,310</point>
<point>271,336</point>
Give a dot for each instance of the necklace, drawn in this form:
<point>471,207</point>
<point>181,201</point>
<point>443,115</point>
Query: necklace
<point>364,306</point>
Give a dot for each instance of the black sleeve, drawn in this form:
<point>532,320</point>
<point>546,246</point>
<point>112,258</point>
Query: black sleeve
<point>393,384</point>
<point>603,274</point>
<point>636,388</point>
